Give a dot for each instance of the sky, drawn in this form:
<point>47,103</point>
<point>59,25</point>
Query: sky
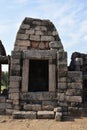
<point>68,16</point>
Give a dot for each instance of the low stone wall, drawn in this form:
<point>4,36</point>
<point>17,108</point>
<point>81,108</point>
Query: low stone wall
<point>74,91</point>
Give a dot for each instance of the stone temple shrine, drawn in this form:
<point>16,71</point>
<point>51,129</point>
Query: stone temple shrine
<point>41,84</point>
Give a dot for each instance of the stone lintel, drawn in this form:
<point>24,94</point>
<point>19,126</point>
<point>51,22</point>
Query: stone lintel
<point>39,54</point>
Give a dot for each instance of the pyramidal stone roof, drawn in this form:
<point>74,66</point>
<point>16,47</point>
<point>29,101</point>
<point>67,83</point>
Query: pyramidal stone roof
<point>37,34</point>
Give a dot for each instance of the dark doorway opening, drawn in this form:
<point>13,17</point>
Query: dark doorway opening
<point>84,91</point>
<point>38,76</point>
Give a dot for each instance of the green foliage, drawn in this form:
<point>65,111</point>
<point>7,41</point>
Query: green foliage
<point>4,79</point>
<point>3,87</point>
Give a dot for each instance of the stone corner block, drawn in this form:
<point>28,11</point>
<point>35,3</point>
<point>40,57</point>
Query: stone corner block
<point>58,116</point>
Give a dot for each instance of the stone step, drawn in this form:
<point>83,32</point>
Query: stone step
<point>33,115</point>
<point>38,107</point>
<point>32,107</point>
<point>45,114</point>
<point>24,115</point>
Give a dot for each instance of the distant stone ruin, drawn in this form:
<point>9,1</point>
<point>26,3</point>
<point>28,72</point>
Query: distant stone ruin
<point>41,85</point>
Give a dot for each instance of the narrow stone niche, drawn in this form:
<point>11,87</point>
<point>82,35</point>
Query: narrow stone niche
<point>38,76</point>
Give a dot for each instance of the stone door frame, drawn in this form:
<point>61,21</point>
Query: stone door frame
<point>49,55</point>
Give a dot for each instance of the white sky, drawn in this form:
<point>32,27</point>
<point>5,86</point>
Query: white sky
<point>69,17</point>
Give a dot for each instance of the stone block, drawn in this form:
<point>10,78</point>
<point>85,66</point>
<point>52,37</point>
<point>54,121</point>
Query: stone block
<point>62,86</point>
<point>17,107</point>
<point>9,106</point>
<point>58,116</point>
<point>22,31</point>
<point>15,67</point>
<point>74,92</point>
<point>74,86</point>
<point>62,73</point>
<point>54,33</point>
<point>39,54</point>
<point>25,26</point>
<point>15,78</point>
<point>2,99</point>
<point>75,104</point>
<point>42,45</point>
<point>47,107</point>
<point>58,109</point>
<point>15,101</point>
<point>74,76</point>
<point>45,115</point>
<point>62,67</point>
<point>20,48</point>
<point>30,31</point>
<point>62,57</point>
<point>22,37</point>
<point>47,38</point>
<point>24,115</point>
<point>3,105</point>
<point>39,32</point>
<point>65,113</point>
<point>39,23</point>
<point>53,103</point>
<point>25,75</point>
<point>62,104</point>
<point>74,99</point>
<point>9,111</point>
<point>15,72</point>
<point>9,101</point>
<point>2,111</point>
<point>49,33</point>
<point>55,44</point>
<point>40,96</point>
<point>16,54</point>
<point>35,38</point>
<point>15,61</point>
<point>52,77</point>
<point>62,79</point>
<point>46,45</point>
<point>14,90</point>
<point>32,107</point>
<point>41,28</point>
<point>14,96</point>
<point>22,43</point>
<point>34,44</point>
<point>61,96</point>
<point>78,61</point>
<point>73,111</point>
<point>14,84</point>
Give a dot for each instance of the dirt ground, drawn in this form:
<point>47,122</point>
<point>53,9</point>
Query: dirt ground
<point>7,123</point>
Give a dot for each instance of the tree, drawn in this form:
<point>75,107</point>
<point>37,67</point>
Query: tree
<point>4,79</point>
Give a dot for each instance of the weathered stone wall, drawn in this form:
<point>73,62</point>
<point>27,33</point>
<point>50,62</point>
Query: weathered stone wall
<point>74,91</point>
<point>2,105</point>
<point>78,62</point>
<point>38,40</point>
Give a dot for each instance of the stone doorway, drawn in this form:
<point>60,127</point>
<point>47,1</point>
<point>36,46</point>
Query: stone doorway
<point>38,75</point>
